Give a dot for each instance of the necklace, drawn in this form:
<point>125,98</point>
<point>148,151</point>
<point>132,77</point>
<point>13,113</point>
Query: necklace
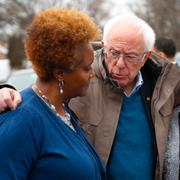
<point>66,119</point>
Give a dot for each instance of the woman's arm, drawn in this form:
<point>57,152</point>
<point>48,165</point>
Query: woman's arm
<point>19,144</point>
<point>7,86</point>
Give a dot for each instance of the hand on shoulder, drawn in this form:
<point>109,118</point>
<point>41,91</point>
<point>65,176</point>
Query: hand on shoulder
<point>9,98</point>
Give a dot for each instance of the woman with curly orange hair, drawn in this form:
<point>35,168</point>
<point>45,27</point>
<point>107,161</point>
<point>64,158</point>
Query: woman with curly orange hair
<point>41,139</point>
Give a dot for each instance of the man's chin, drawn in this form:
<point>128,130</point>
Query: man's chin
<point>120,79</point>
<point>121,83</point>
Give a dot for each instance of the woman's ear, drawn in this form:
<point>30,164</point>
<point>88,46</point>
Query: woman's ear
<point>58,74</point>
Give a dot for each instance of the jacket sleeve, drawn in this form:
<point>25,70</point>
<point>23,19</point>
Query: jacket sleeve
<point>7,86</point>
<point>177,95</point>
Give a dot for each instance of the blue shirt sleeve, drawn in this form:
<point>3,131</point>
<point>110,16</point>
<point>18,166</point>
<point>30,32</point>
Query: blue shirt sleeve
<point>20,143</point>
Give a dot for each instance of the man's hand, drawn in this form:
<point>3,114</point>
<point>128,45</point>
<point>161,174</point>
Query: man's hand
<point>9,98</point>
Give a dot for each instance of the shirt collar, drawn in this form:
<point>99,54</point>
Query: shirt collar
<point>139,83</point>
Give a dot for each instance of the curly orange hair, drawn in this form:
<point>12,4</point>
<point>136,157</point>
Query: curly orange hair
<point>52,37</point>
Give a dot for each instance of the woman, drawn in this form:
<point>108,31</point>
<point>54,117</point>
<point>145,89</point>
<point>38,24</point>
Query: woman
<point>41,139</point>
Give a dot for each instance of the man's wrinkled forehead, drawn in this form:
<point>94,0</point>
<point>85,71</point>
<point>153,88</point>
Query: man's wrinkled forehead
<point>122,29</point>
<point>125,34</point>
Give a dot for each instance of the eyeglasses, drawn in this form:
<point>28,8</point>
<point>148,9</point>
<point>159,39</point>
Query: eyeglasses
<point>127,57</point>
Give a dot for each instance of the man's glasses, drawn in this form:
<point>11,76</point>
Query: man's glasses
<point>127,57</point>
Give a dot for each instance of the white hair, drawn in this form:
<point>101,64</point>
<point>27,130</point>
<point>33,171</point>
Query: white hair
<point>144,28</point>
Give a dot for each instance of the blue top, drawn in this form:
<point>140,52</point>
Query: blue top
<point>132,155</point>
<point>36,144</point>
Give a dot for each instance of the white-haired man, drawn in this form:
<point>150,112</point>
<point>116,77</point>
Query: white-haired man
<point>126,112</point>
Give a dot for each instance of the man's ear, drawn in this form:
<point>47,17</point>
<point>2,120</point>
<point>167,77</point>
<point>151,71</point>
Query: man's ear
<point>147,55</point>
<point>162,54</point>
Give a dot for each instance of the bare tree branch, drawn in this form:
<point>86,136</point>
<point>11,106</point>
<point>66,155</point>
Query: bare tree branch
<point>15,15</point>
<point>163,16</point>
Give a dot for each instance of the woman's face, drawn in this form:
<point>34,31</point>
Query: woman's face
<point>76,82</point>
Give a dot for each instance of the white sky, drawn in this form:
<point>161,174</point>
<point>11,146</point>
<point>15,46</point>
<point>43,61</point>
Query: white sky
<point>121,6</point>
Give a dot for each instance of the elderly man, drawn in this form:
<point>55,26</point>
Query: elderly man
<point>127,110</point>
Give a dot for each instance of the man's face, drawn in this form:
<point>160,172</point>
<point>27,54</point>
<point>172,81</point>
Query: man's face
<point>124,56</point>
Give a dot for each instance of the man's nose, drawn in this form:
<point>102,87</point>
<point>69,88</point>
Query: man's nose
<point>120,62</point>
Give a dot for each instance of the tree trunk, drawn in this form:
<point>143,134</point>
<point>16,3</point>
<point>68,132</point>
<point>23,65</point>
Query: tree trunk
<point>16,53</point>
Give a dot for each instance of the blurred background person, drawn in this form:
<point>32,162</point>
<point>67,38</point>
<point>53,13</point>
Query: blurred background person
<point>172,160</point>
<point>166,48</point>
<point>96,45</point>
<point>41,139</point>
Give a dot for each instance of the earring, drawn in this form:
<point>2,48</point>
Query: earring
<point>61,84</point>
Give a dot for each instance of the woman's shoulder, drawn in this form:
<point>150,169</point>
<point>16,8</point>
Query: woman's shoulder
<point>31,104</point>
<point>27,114</point>
<point>19,118</point>
<point>29,98</point>
<point>20,125</point>
<point>22,132</point>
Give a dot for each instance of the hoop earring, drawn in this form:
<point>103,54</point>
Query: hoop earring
<point>61,84</point>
